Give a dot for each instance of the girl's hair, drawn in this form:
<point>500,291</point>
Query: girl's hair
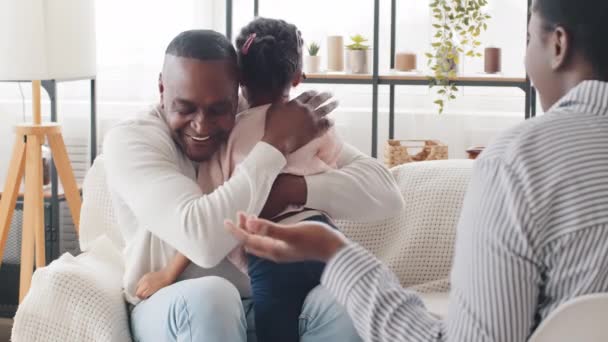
<point>586,21</point>
<point>269,54</point>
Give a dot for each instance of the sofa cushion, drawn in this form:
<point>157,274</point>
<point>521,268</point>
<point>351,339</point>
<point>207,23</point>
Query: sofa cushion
<point>418,244</point>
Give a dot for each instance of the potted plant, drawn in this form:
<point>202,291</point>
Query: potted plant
<point>459,24</point>
<point>313,60</point>
<point>357,55</point>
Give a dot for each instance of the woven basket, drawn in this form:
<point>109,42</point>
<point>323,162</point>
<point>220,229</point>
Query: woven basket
<point>396,151</point>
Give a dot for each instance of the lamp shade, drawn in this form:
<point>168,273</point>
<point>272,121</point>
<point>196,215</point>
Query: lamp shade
<point>47,39</point>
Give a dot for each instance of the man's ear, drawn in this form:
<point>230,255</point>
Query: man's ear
<point>161,88</point>
<point>561,49</point>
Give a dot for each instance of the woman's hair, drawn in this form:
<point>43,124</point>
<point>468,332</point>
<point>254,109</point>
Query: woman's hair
<point>269,54</point>
<point>587,23</point>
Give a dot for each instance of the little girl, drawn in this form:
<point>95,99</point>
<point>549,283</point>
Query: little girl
<point>270,64</point>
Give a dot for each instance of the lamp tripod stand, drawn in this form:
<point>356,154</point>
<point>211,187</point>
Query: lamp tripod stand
<point>27,161</point>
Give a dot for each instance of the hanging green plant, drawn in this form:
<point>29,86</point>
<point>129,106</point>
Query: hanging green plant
<point>459,24</point>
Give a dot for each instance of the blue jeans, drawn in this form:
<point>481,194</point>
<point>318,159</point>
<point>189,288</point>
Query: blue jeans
<point>209,309</point>
<point>279,291</point>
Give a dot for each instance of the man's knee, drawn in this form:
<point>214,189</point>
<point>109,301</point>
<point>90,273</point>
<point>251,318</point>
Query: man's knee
<point>212,297</point>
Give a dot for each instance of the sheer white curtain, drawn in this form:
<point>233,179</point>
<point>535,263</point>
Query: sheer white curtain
<point>132,36</point>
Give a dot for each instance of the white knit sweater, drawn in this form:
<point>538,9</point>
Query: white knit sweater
<point>161,209</point>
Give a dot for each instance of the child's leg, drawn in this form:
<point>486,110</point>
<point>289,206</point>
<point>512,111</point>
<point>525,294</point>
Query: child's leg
<point>279,291</point>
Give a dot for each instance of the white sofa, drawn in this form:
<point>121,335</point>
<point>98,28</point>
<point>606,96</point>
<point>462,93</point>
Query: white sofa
<point>80,298</point>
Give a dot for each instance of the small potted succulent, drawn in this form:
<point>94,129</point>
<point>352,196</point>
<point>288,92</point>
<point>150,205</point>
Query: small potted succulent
<point>357,55</point>
<point>312,62</point>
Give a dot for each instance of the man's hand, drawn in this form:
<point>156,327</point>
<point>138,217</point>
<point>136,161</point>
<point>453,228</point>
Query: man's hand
<point>286,190</point>
<point>293,124</point>
<point>302,241</point>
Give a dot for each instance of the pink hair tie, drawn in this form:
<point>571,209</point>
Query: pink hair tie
<point>248,43</point>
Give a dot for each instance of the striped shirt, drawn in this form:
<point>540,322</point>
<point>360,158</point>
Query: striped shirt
<point>533,234</point>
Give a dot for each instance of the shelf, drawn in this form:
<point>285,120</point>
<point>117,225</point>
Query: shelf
<point>393,78</point>
<point>339,78</point>
<point>473,80</point>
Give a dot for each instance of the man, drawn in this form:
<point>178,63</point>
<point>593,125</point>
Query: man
<point>151,165</point>
<point>534,227</point>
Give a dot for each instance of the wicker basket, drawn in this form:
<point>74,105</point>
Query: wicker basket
<point>396,151</point>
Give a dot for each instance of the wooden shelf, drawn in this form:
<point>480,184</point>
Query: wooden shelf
<point>474,78</point>
<point>339,78</point>
<point>394,78</point>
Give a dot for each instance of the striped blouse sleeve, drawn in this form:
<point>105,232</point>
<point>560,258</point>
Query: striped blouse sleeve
<point>494,281</point>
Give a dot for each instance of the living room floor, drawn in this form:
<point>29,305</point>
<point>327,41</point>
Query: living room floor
<point>5,329</point>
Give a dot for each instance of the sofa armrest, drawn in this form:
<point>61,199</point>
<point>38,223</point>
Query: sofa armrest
<point>76,299</point>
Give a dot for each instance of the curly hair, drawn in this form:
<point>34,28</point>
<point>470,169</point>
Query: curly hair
<point>273,55</point>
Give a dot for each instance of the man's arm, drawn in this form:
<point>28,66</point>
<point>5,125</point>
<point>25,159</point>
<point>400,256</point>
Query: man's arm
<point>142,169</point>
<point>495,279</point>
<point>361,189</point>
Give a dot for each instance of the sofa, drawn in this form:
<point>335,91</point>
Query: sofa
<point>79,298</point>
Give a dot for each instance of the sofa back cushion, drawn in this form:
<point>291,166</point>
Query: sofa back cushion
<point>418,244</point>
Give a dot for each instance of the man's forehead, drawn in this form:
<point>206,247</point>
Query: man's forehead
<point>175,66</point>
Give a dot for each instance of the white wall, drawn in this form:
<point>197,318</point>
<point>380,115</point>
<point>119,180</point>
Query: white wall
<point>132,36</point>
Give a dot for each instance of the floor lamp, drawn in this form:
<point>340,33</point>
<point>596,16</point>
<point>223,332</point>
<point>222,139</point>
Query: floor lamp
<point>41,40</point>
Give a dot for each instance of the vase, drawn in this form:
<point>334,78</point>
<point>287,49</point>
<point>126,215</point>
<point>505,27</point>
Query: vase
<point>358,61</point>
<point>312,64</point>
<point>492,60</point>
<point>405,61</point>
<point>335,53</point>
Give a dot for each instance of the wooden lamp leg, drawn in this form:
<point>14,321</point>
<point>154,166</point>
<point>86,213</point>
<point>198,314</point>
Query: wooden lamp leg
<point>27,157</point>
<point>31,211</point>
<point>39,223</point>
<point>66,174</point>
<point>11,191</point>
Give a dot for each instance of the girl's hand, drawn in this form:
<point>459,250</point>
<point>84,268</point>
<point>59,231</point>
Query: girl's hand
<point>150,283</point>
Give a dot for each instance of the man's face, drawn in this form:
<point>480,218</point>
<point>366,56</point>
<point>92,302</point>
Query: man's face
<point>200,101</point>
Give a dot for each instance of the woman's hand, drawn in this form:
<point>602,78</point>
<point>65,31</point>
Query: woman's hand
<point>302,241</point>
<point>293,124</point>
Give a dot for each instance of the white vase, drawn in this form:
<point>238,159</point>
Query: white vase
<point>312,64</point>
<point>358,61</point>
<point>335,53</point>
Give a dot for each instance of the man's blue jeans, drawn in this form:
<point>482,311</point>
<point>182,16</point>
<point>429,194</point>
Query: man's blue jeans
<point>209,309</point>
